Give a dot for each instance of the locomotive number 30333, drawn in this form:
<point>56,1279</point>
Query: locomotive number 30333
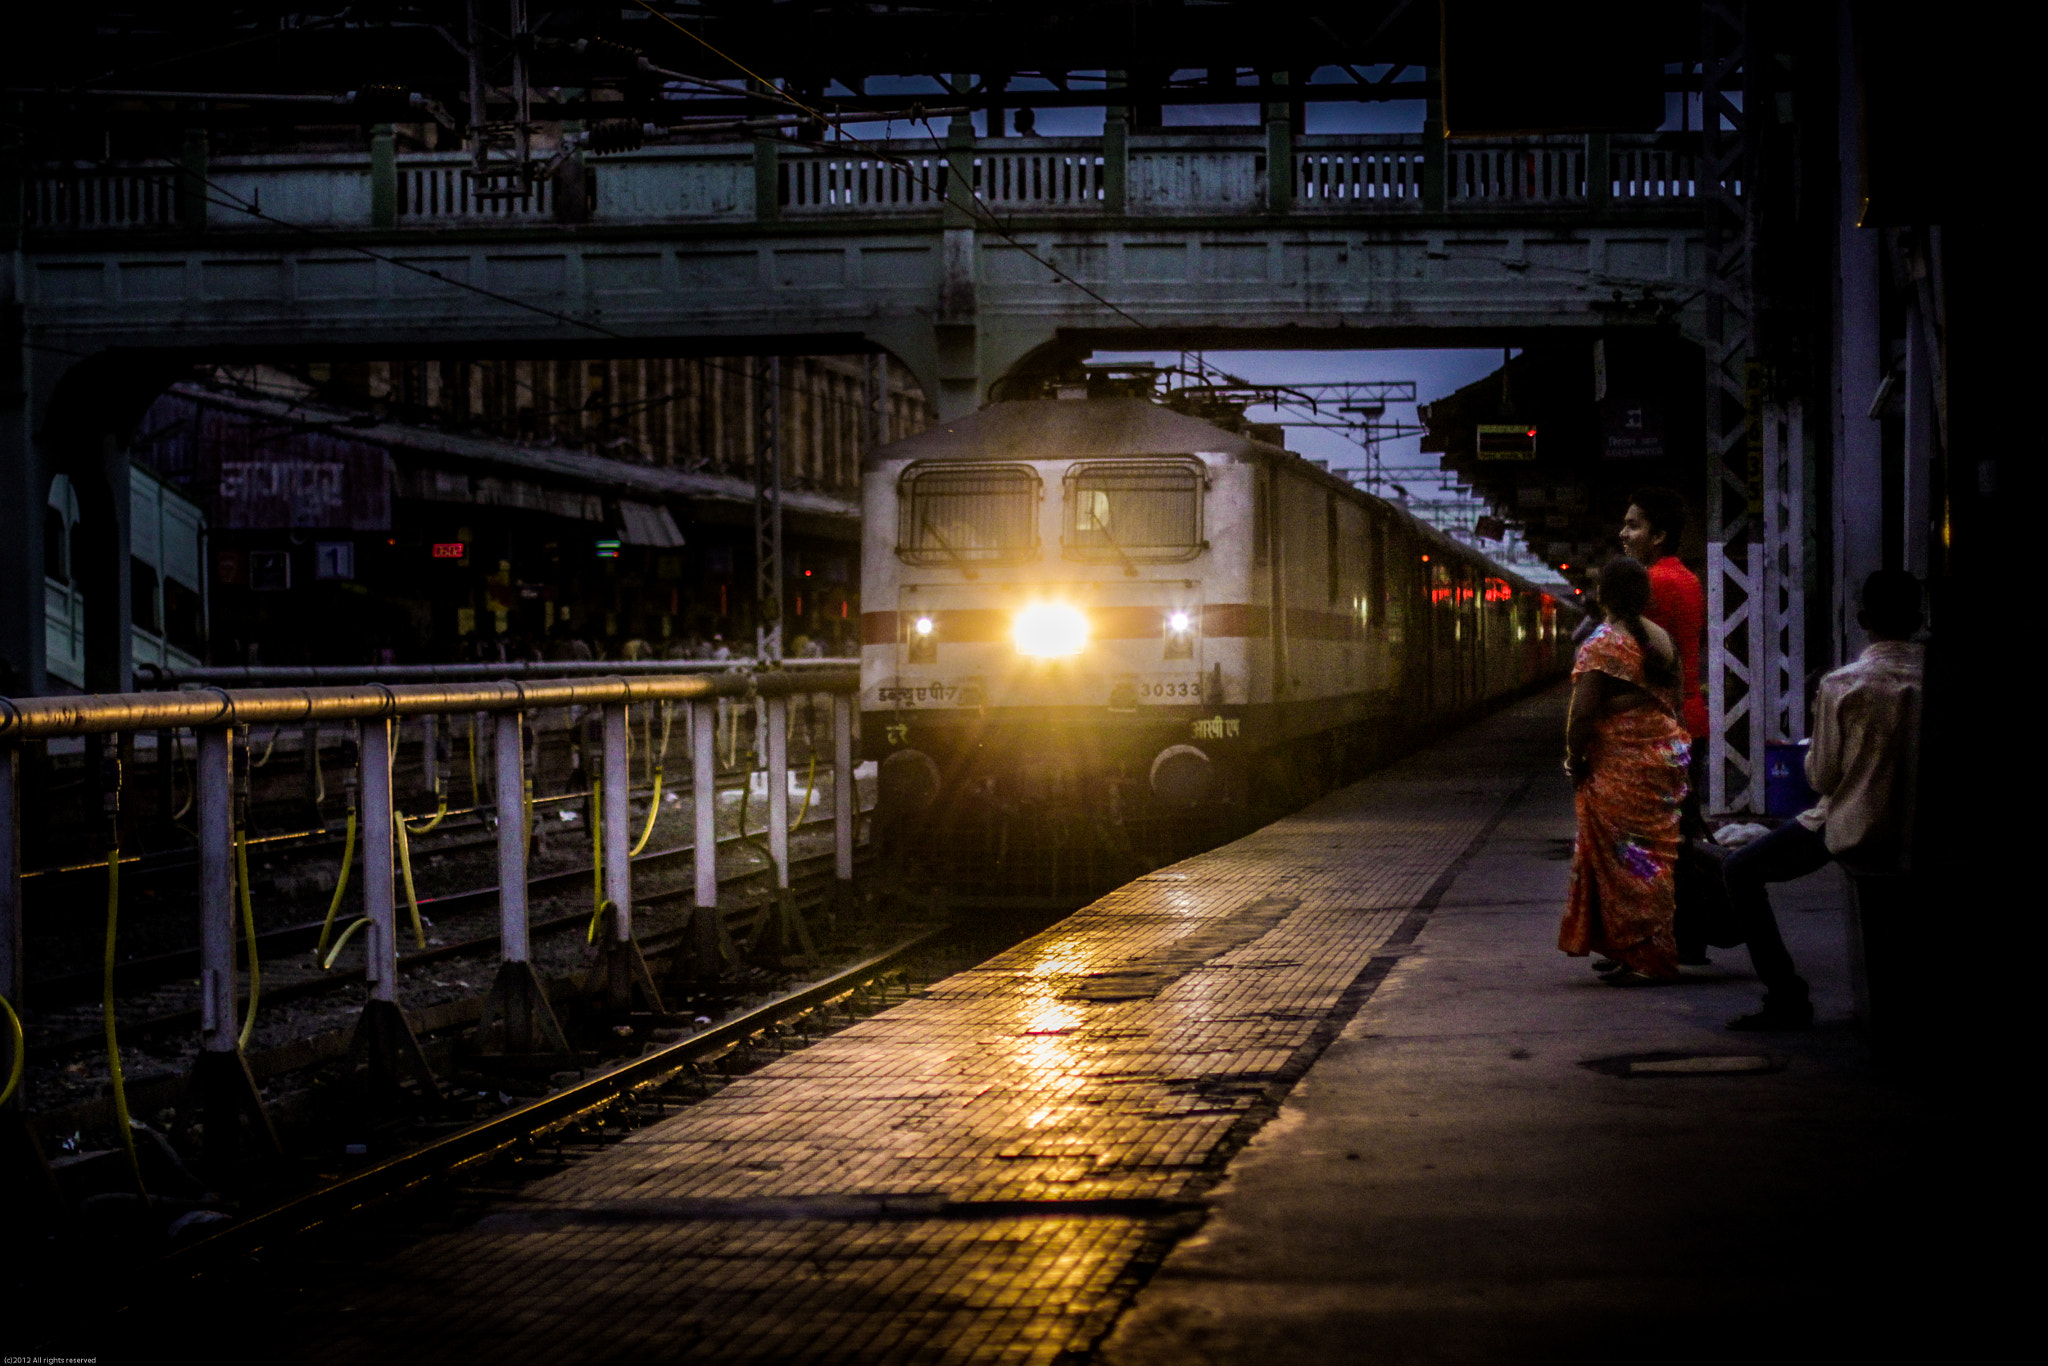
<point>1171,687</point>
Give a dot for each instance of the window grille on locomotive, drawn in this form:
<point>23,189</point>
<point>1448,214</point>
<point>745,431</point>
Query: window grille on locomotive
<point>968,515</point>
<point>1134,510</point>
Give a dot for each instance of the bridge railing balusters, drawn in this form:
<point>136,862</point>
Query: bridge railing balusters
<point>1167,172</point>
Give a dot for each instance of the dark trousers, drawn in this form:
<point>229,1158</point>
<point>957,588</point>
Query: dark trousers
<point>1791,851</point>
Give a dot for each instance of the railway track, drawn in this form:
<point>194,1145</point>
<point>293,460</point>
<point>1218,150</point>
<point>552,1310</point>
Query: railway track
<point>810,876</point>
<point>154,970</point>
<point>625,1095</point>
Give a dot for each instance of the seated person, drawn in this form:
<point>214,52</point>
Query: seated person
<point>1865,731</point>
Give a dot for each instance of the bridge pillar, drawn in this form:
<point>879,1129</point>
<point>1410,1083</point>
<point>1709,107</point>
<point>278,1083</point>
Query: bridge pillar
<point>193,167</point>
<point>383,176</point>
<point>25,473</point>
<point>956,328</point>
<point>1279,153</point>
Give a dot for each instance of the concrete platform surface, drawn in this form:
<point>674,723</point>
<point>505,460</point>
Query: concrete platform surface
<point>1475,1172</point>
<point>1322,1095</point>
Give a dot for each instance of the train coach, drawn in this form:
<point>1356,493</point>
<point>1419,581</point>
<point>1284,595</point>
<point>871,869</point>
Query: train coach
<point>1104,605</point>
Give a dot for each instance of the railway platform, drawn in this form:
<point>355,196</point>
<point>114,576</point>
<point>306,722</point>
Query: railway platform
<point>1327,1094</point>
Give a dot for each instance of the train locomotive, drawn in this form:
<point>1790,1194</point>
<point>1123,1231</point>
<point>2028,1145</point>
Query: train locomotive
<point>1094,613</point>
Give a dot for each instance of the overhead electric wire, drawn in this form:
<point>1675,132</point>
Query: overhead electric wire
<point>969,204</point>
<point>972,205</point>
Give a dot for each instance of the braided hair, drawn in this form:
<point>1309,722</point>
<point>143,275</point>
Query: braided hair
<point>1625,592</point>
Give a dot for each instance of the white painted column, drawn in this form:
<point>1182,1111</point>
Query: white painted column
<point>510,781</point>
<point>776,717</point>
<point>618,843</point>
<point>213,775</point>
<point>380,946</point>
<point>704,798</point>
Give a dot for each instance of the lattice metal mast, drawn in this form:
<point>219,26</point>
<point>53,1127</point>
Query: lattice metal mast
<point>1755,445</point>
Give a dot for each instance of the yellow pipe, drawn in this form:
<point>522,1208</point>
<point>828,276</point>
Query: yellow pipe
<point>191,786</point>
<point>810,790</point>
<point>653,812</point>
<point>440,814</point>
<point>327,964</point>
<point>20,1050</point>
<point>248,935</point>
<point>120,1086</point>
<point>412,900</point>
<point>348,855</point>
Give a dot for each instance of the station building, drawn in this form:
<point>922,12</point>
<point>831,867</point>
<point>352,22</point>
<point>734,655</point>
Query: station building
<point>408,512</point>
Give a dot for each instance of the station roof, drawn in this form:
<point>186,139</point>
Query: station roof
<point>1611,414</point>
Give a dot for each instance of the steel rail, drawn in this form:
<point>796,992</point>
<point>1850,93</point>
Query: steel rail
<point>487,1138</point>
<point>36,718</point>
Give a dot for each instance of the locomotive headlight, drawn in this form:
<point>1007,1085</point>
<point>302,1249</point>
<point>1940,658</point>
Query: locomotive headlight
<point>1178,623</point>
<point>923,626</point>
<point>1051,630</point>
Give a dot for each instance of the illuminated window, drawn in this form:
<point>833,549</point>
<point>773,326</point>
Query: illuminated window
<point>968,515</point>
<point>1134,510</point>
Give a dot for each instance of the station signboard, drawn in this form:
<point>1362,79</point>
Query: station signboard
<point>1506,441</point>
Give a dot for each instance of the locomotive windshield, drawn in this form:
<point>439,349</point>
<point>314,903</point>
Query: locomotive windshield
<point>981,514</point>
<point>1134,510</point>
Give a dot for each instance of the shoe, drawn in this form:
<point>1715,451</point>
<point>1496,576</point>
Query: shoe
<point>1775,1017</point>
<point>1604,966</point>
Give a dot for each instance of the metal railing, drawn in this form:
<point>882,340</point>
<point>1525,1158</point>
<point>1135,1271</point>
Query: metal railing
<point>103,199</point>
<point>214,715</point>
<point>447,192</point>
<point>1162,174</point>
<point>151,676</point>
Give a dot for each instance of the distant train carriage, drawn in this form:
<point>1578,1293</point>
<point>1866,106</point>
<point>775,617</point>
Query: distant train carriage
<point>1104,606</point>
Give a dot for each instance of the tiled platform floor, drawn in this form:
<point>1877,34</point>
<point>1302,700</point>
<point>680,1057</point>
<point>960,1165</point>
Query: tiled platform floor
<point>982,1174</point>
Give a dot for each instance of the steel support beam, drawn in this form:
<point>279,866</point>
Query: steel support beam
<point>1738,623</point>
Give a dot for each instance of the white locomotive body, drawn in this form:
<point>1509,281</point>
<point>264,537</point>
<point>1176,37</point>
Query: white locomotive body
<point>1096,599</point>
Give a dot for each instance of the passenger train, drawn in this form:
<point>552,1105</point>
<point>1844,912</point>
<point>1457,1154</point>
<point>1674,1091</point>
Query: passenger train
<point>1089,610</point>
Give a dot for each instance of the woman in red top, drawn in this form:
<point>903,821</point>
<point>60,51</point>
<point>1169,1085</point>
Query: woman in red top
<point>1649,536</point>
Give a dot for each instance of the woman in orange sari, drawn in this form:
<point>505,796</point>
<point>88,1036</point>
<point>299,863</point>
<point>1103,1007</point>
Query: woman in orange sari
<point>1626,753</point>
